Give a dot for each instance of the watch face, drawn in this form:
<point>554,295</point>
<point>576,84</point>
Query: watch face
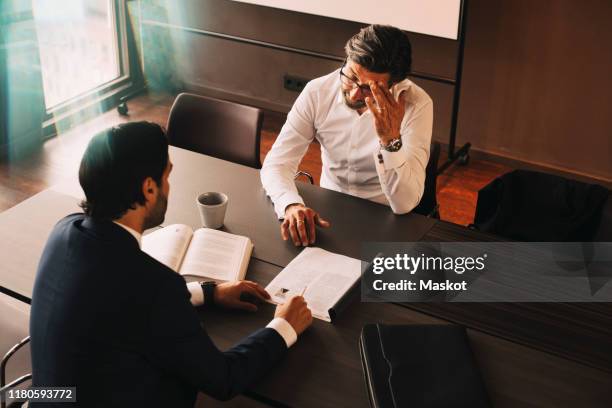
<point>394,145</point>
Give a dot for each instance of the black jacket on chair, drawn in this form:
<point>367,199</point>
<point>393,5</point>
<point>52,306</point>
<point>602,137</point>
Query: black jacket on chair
<point>112,321</point>
<point>532,206</point>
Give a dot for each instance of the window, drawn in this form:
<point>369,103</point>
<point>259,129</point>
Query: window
<point>82,49</point>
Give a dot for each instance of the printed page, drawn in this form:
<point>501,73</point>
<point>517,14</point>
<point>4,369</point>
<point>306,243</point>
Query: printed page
<point>323,277</point>
<point>168,245</point>
<point>216,255</point>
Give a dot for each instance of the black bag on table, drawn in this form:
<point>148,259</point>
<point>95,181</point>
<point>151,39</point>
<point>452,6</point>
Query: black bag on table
<point>420,366</point>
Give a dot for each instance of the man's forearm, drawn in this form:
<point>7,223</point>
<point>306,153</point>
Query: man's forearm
<point>280,186</point>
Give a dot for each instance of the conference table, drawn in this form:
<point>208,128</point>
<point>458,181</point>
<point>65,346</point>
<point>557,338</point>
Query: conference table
<point>323,368</point>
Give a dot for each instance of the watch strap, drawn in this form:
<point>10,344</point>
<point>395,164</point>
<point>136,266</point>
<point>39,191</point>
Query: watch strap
<point>208,288</point>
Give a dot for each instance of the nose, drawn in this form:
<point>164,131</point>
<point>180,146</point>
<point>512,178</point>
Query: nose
<point>358,94</point>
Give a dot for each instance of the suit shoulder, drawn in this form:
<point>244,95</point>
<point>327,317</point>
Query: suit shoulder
<point>64,226</point>
<point>69,219</point>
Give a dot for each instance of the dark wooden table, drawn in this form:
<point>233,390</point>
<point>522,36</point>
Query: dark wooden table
<point>324,368</point>
<point>250,211</point>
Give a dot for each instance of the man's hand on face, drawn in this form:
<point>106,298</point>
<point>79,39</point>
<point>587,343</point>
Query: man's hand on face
<point>388,113</point>
<point>240,295</point>
<point>300,224</point>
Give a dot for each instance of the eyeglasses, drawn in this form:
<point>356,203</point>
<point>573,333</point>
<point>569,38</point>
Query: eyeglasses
<point>351,83</point>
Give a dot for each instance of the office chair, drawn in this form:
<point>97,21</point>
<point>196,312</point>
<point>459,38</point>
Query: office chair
<point>428,205</point>
<point>304,174</point>
<point>603,233</point>
<point>14,326</point>
<point>4,387</point>
<point>218,128</point>
<point>533,206</point>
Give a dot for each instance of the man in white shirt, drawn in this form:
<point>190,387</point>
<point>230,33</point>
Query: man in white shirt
<point>374,127</point>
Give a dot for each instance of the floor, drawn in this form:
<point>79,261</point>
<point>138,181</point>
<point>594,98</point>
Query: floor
<point>58,161</point>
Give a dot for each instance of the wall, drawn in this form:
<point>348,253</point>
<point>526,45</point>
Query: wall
<point>535,84</point>
<point>537,78</point>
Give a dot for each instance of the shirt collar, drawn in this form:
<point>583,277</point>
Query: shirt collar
<point>134,233</point>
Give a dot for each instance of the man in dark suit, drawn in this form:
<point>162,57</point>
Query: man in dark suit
<point>116,324</point>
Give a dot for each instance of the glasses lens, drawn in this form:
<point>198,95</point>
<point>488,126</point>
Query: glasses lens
<point>346,80</point>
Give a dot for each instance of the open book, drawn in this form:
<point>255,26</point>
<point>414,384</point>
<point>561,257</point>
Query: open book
<point>205,252</point>
<point>325,279</point>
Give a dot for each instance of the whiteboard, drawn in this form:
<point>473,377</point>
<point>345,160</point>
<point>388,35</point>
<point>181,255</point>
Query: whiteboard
<point>439,18</point>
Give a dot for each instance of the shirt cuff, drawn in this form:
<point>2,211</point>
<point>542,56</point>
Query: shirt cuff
<point>285,330</point>
<point>283,201</point>
<point>197,294</point>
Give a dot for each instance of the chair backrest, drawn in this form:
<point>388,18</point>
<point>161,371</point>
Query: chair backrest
<point>533,206</point>
<point>218,128</point>
<point>429,202</point>
<point>604,230</point>
<point>14,326</point>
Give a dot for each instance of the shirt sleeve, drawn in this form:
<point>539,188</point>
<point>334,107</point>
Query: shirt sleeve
<point>196,292</point>
<point>281,163</point>
<point>402,173</point>
<point>283,328</point>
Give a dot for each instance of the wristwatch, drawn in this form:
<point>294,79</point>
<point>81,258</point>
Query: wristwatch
<point>393,146</point>
<point>208,288</point>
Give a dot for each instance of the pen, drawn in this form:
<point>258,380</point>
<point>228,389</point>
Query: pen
<point>304,290</point>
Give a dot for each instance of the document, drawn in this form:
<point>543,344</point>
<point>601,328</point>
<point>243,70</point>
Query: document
<point>322,277</point>
<point>205,252</point>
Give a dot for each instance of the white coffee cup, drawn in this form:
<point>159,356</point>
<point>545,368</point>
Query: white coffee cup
<point>212,206</point>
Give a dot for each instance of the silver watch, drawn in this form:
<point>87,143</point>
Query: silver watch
<point>394,145</point>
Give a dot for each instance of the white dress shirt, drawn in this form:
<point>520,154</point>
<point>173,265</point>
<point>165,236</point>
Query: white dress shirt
<point>279,324</point>
<point>353,161</point>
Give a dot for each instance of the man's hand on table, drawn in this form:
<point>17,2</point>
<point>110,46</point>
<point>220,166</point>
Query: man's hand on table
<point>232,295</point>
<point>240,295</point>
<point>300,224</point>
<point>295,311</point>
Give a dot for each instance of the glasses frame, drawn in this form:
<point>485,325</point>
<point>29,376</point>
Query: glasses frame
<point>352,83</point>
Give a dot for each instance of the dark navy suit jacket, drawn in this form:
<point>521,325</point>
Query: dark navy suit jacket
<point>112,321</point>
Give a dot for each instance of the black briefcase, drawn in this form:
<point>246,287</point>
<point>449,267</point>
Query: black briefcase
<point>420,366</point>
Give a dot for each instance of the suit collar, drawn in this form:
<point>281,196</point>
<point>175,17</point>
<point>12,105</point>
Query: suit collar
<point>132,231</point>
<point>107,230</point>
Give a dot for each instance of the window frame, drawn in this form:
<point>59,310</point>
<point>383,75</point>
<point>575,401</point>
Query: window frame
<point>109,94</point>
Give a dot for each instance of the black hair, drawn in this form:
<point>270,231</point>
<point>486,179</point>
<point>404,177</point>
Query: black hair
<point>381,49</point>
<point>116,163</point>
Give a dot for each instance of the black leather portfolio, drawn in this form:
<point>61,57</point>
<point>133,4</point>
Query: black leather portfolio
<point>420,366</point>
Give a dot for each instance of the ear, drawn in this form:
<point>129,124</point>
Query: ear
<point>149,189</point>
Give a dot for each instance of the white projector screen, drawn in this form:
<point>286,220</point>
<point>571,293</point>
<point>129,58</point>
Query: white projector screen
<point>439,18</point>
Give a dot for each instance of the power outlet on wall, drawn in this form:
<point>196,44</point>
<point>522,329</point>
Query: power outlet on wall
<point>294,83</point>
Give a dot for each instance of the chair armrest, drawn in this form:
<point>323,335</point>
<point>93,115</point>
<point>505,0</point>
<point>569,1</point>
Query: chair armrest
<point>6,358</point>
<point>305,174</point>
